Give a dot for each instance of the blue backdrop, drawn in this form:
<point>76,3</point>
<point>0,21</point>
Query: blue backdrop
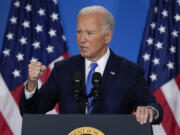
<point>130,17</point>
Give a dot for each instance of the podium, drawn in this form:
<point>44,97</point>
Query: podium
<point>83,125</point>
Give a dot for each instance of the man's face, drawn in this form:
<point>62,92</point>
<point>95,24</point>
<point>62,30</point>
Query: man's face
<point>91,38</point>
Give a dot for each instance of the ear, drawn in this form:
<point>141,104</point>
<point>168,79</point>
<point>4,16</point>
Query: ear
<point>108,36</point>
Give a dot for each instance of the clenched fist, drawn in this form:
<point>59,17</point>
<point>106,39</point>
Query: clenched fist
<point>35,70</point>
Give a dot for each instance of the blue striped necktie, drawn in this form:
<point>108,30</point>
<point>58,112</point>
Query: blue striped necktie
<point>89,85</point>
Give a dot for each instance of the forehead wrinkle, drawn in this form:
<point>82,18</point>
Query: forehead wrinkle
<point>90,20</point>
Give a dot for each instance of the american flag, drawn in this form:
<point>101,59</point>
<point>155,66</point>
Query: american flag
<point>33,33</point>
<point>160,57</point>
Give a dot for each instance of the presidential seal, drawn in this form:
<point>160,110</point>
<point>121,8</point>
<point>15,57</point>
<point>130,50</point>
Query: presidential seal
<point>86,131</point>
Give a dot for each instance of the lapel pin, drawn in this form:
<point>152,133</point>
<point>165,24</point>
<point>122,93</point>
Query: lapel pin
<point>112,73</point>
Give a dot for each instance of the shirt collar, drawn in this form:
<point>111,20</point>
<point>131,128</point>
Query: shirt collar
<point>101,62</point>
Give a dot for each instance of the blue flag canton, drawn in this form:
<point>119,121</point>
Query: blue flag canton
<point>33,33</point>
<point>160,52</point>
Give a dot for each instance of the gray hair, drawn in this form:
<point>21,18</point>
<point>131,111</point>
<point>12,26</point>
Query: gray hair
<point>107,16</point>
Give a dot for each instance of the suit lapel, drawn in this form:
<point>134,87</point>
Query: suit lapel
<point>110,73</point>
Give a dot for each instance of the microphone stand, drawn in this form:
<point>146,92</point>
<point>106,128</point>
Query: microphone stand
<point>86,107</point>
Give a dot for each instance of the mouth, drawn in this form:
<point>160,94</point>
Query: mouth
<point>83,48</point>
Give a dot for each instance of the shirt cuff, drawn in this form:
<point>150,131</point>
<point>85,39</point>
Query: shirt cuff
<point>156,115</point>
<point>28,94</point>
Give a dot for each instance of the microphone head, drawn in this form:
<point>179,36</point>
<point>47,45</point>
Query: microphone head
<point>77,85</point>
<point>96,79</point>
<point>77,79</point>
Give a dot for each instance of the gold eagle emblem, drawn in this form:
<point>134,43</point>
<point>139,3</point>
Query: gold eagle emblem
<point>86,131</point>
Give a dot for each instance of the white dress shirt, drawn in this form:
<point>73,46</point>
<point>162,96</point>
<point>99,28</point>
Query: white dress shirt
<point>101,64</point>
<point>28,94</point>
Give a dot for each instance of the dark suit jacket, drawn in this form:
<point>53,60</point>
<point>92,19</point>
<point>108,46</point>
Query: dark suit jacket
<point>121,92</point>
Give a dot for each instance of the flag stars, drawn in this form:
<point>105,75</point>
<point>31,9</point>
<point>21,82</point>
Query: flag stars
<point>175,33</point>
<point>155,9</point>
<point>34,59</point>
<point>6,52</point>
<point>41,12</point>
<point>17,4</point>
<point>64,37</point>
<point>156,61</point>
<point>55,2</point>
<point>158,45</point>
<point>177,17</point>
<point>28,8</point>
<point>23,40</point>
<point>38,28</point>
<point>36,45</point>
<point>178,1</point>
<point>13,20</point>
<point>16,73</point>
<point>20,57</point>
<point>52,33</point>
<point>146,57</point>
<point>54,16</point>
<point>153,25</point>
<point>50,49</point>
<point>164,13</point>
<point>10,36</point>
<point>153,77</point>
<point>26,24</point>
<point>162,29</point>
<point>173,49</point>
<point>149,41</point>
<point>170,65</point>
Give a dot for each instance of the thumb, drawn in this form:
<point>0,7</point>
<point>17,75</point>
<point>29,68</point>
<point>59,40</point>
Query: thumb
<point>43,68</point>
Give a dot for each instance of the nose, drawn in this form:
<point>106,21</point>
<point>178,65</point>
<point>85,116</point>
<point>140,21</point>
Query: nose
<point>82,38</point>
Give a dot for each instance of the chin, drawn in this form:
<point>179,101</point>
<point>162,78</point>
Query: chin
<point>84,55</point>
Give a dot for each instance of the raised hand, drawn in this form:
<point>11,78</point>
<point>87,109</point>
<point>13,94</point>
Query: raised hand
<point>35,71</point>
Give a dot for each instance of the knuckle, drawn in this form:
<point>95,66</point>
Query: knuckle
<point>39,63</point>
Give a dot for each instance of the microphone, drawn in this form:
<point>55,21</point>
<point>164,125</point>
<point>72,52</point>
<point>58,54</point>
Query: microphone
<point>77,86</point>
<point>77,91</point>
<point>96,91</point>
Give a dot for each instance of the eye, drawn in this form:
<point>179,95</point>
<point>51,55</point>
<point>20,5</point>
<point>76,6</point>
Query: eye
<point>90,33</point>
<point>78,32</point>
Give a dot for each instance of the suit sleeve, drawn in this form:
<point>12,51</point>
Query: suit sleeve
<point>44,98</point>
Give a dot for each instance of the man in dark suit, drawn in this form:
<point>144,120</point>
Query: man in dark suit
<point>123,86</point>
